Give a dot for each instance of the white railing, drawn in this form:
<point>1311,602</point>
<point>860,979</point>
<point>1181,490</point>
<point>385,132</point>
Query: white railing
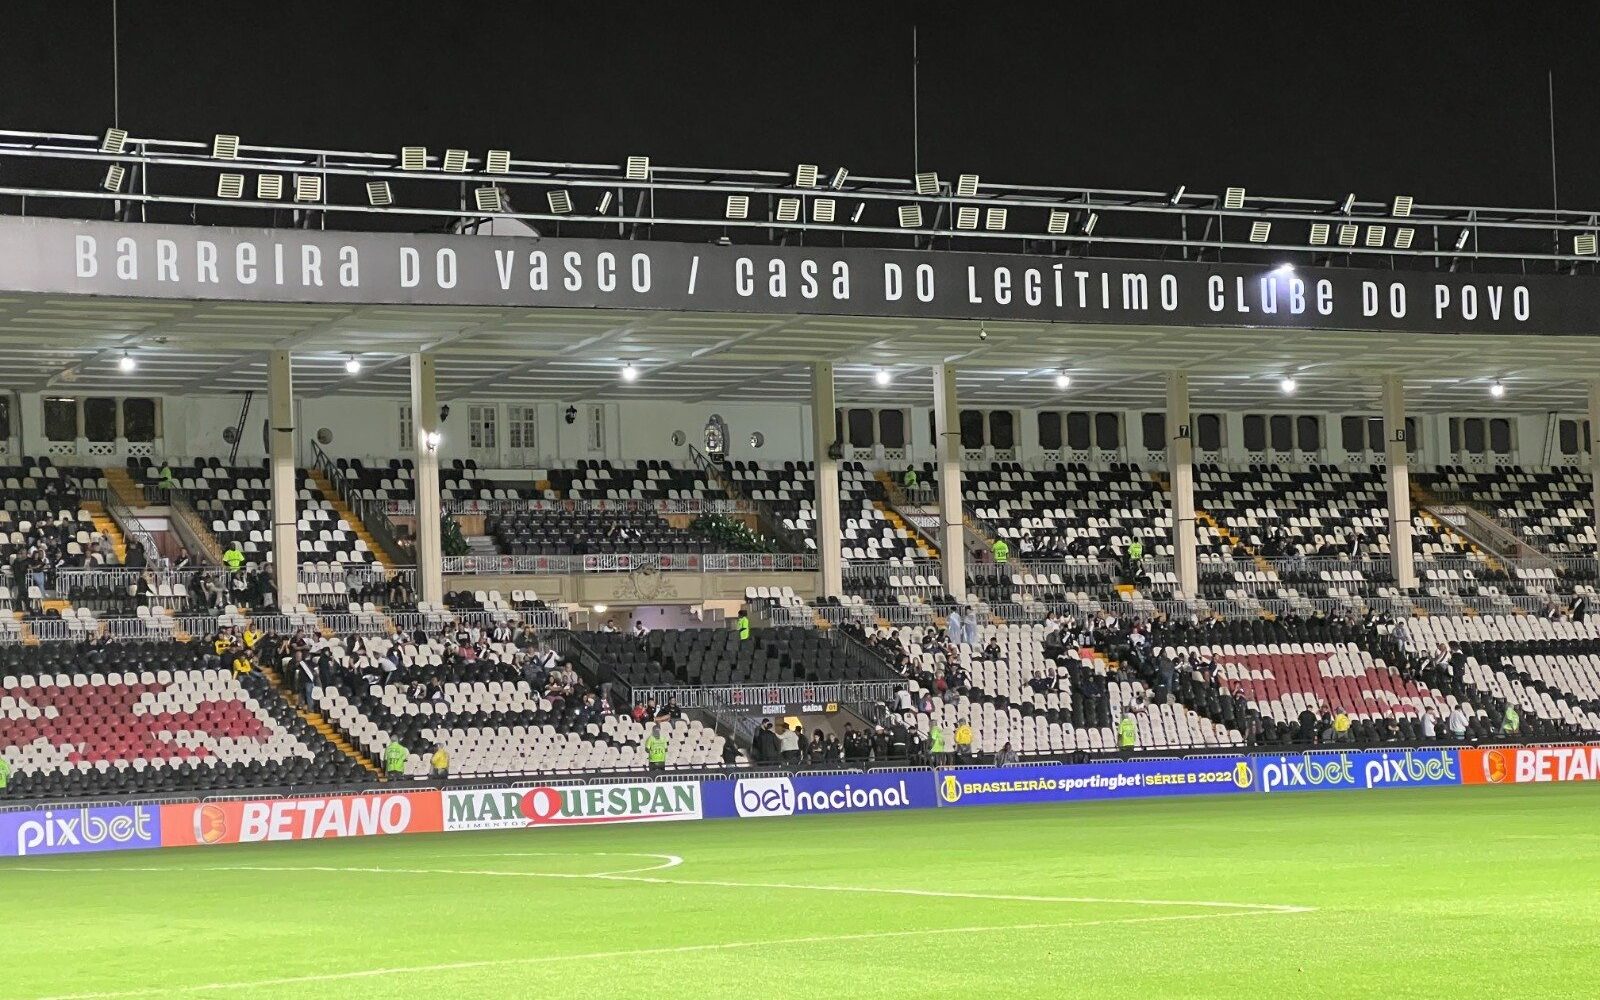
<point>407,508</point>
<point>664,562</point>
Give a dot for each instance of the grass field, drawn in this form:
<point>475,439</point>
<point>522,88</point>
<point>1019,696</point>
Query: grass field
<point>1457,894</point>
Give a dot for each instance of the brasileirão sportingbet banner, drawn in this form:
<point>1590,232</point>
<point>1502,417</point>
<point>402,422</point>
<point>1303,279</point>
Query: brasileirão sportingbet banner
<point>1127,779</point>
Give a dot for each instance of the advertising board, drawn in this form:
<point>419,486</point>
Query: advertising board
<point>1343,770</point>
<point>203,823</point>
<point>525,806</point>
<point>1106,780</point>
<point>1528,765</point>
<point>805,794</point>
<point>33,833</point>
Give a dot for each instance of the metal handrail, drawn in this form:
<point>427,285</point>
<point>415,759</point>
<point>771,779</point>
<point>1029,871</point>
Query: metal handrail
<point>664,562</point>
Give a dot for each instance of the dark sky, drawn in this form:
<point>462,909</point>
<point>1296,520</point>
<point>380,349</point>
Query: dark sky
<point>1444,101</point>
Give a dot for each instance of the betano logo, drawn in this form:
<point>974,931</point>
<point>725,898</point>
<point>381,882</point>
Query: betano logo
<point>1495,767</point>
<point>210,824</point>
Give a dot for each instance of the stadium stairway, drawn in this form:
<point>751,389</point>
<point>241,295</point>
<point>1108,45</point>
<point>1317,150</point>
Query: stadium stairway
<point>317,722</point>
<point>127,491</point>
<point>343,512</point>
<point>925,549</point>
<point>107,526</point>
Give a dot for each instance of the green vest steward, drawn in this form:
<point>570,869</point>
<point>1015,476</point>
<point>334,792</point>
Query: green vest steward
<point>5,773</point>
<point>1513,720</point>
<point>1135,551</point>
<point>910,479</point>
<point>744,626</point>
<point>394,758</point>
<point>1127,733</point>
<point>1002,551</point>
<point>233,559</point>
<point>656,748</point>
<point>936,739</point>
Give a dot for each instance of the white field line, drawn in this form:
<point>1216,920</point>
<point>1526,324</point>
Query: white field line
<point>412,970</point>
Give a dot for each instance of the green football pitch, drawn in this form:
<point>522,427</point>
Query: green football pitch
<point>1455,894</point>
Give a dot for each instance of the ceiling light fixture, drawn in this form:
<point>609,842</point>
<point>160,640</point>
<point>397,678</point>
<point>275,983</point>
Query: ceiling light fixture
<point>126,363</point>
<point>1497,389</point>
<point>881,376</point>
<point>1288,385</point>
<point>1063,380</point>
<point>352,365</point>
<point>630,373</point>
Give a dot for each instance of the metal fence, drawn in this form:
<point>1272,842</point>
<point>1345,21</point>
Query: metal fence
<point>753,697</point>
<point>401,507</point>
<point>664,562</point>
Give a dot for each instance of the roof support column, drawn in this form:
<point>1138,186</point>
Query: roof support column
<point>1594,453</point>
<point>425,481</point>
<point>830,537</point>
<point>283,480</point>
<point>1180,475</point>
<point>1398,479</point>
<point>952,524</point>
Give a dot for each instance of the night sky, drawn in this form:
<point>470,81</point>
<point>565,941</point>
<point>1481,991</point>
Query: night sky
<point>1444,101</point>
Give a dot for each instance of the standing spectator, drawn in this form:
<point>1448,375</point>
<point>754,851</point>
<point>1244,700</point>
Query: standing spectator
<point>306,674</point>
<point>1002,552</point>
<point>857,745</point>
<point>5,775</point>
<point>936,744</point>
<point>1430,725</point>
<point>1127,733</point>
<point>964,742</point>
<point>765,745</point>
<point>394,760</point>
<point>1458,724</point>
<point>655,748</point>
<point>788,745</point>
<point>743,624</point>
<point>1341,726</point>
<point>953,626</point>
<point>439,763</point>
<point>233,557</point>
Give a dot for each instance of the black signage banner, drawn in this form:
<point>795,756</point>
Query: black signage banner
<point>277,265</point>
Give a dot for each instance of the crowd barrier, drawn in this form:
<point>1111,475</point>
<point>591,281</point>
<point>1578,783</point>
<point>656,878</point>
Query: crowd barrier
<point>663,798</point>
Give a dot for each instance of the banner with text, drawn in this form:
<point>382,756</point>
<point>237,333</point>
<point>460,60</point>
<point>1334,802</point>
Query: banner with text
<point>571,805</point>
<point>804,794</point>
<point>203,823</point>
<point>1324,771</point>
<point>1527,765</point>
<point>55,256</point>
<point>1107,780</point>
<point>33,833</point>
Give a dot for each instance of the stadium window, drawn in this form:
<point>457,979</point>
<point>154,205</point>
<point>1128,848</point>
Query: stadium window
<point>1281,430</point>
<point>1352,434</point>
<point>1500,436</point>
<point>483,421</point>
<point>860,424</point>
<point>1153,427</point>
<point>1002,429</point>
<point>522,427</point>
<point>892,428</point>
<point>1208,431</point>
<point>5,418</point>
<point>1107,431</point>
<point>407,440</point>
<point>1375,434</point>
<point>1049,430</point>
<point>100,419</point>
<point>972,429</point>
<point>597,428</point>
<point>139,419</point>
<point>1078,430</point>
<point>1567,437</point>
<point>1472,436</point>
<point>60,419</point>
<point>1413,438</point>
<point>1255,432</point>
<point>933,429</point>
<point>1308,433</point>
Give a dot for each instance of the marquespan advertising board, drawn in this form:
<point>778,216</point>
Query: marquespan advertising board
<point>526,806</point>
<point>203,823</point>
<point>1107,780</point>
<point>1528,765</point>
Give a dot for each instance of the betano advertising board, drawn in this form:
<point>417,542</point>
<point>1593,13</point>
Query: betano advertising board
<point>204,823</point>
<point>1529,765</point>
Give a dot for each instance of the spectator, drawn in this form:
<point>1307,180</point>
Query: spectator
<point>880,743</point>
<point>788,745</point>
<point>1341,726</point>
<point>1458,724</point>
<point>394,760</point>
<point>765,745</point>
<point>1430,725</point>
<point>1002,552</point>
<point>991,651</point>
<point>306,674</point>
<point>817,749</point>
<point>964,742</point>
<point>742,623</point>
<point>936,744</point>
<point>1512,722</point>
<point>953,626</point>
<point>233,557</point>
<point>1005,756</point>
<point>439,763</point>
<point>655,748</point>
<point>1127,733</point>
<point>857,745</point>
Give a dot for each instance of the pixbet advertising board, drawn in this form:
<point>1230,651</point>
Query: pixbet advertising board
<point>1109,780</point>
<point>1323,771</point>
<point>805,794</point>
<point>575,805</point>
<point>203,823</point>
<point>74,831</point>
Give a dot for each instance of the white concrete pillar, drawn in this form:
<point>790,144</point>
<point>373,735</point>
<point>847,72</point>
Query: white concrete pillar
<point>1180,474</point>
<point>425,480</point>
<point>1594,454</point>
<point>283,478</point>
<point>952,526</point>
<point>830,536</point>
<point>1398,480</point>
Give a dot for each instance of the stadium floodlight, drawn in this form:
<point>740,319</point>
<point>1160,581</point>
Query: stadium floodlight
<point>823,209</point>
<point>455,161</point>
<point>1319,234</point>
<point>1585,244</point>
<point>1063,380</point>
<point>1461,239</point>
<point>1060,222</point>
<point>910,216</point>
<point>805,175</point>
<point>560,202</point>
<point>230,185</point>
<point>489,199</point>
<point>1348,233</point>
<point>269,187</point>
<point>352,365</point>
<point>1497,389</point>
<point>432,440</point>
<point>927,183</point>
<point>738,207</point>
<point>224,147</point>
<point>1089,223</point>
<point>1177,195</point>
<point>788,210</point>
<point>605,204</point>
<point>413,157</point>
<point>114,141</point>
<point>126,363</point>
<point>630,373</point>
<point>1260,231</point>
<point>861,207</point>
<point>1233,198</point>
<point>378,194</point>
<point>638,168</point>
<point>1403,237</point>
<point>1402,206</point>
<point>497,161</point>
<point>839,177</point>
<point>599,609</point>
<point>1349,204</point>
<point>1376,235</point>
<point>114,176</point>
<point>994,220</point>
<point>881,376</point>
<point>308,187</point>
<point>1287,385</point>
<point>967,186</point>
<point>966,217</point>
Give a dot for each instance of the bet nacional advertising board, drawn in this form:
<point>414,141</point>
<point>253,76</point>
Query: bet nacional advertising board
<point>808,794</point>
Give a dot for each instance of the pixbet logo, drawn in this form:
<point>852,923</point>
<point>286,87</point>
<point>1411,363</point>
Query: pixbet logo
<point>1308,772</point>
<point>1410,769</point>
<point>764,797</point>
<point>83,830</point>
